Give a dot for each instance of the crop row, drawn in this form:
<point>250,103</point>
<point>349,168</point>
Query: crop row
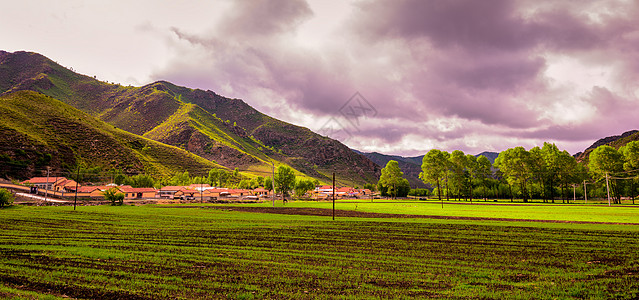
<point>147,252</point>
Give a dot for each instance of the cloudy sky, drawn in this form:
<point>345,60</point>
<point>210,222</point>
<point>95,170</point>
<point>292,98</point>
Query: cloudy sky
<point>397,77</point>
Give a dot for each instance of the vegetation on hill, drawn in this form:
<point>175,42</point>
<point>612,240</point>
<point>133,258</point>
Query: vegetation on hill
<point>40,131</point>
<point>228,131</point>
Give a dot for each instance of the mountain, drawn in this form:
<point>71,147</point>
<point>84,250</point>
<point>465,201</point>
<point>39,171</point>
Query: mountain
<point>412,166</point>
<point>40,131</point>
<point>616,141</point>
<point>227,131</point>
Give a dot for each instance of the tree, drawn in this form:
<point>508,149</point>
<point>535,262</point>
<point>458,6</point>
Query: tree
<point>284,180</point>
<point>551,156</point>
<point>631,163</point>
<point>391,177</point>
<point>213,177</point>
<point>606,160</point>
<point>434,168</point>
<point>6,197</point>
<point>457,165</point>
<point>114,196</point>
<point>268,183</point>
<point>515,163</point>
<point>302,186</point>
<point>483,172</point>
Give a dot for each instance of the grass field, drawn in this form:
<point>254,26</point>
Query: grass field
<point>164,252</point>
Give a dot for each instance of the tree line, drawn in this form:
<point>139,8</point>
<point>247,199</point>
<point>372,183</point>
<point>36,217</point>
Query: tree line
<point>539,173</point>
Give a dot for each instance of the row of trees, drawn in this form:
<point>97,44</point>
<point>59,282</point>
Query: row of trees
<point>544,173</point>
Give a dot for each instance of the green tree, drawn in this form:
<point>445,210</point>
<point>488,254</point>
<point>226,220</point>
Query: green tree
<point>391,177</point>
<point>631,164</point>
<point>302,186</point>
<point>457,177</point>
<point>515,164</point>
<point>140,180</point>
<point>483,173</point>
<point>551,156</point>
<point>606,160</point>
<point>284,180</point>
<point>114,196</point>
<point>6,198</point>
<point>434,168</point>
<point>268,184</point>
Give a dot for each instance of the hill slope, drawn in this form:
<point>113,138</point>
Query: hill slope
<point>40,131</point>
<point>616,141</point>
<point>227,131</point>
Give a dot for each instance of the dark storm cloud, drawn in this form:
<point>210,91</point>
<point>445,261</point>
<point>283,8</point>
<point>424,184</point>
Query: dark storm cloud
<point>253,18</point>
<point>474,62</point>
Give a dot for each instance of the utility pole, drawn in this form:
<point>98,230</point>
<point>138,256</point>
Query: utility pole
<point>75,200</point>
<point>585,192</point>
<point>46,187</point>
<point>608,189</point>
<point>273,182</point>
<point>333,196</point>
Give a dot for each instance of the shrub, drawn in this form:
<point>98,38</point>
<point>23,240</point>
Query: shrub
<point>114,196</point>
<point>6,198</point>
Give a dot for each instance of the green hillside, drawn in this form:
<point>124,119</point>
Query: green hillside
<point>40,131</point>
<point>227,131</point>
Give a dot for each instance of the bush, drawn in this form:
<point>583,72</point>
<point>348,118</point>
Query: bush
<point>114,196</point>
<point>6,198</point>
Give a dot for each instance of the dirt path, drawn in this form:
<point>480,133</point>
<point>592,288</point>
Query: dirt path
<point>360,214</point>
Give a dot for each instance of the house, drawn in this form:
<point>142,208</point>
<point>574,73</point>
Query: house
<point>48,183</point>
<point>98,191</point>
<point>365,192</point>
<point>65,185</point>
<point>168,192</point>
<point>186,194</point>
<point>212,194</point>
<point>198,186</point>
<point>260,192</point>
<point>138,193</point>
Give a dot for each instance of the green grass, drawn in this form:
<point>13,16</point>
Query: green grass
<point>161,252</point>
<point>72,135</point>
<point>539,211</point>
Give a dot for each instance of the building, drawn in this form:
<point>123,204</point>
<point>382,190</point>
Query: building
<point>168,192</point>
<point>138,193</point>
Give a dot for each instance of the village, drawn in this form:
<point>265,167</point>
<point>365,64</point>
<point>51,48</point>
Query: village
<point>68,189</point>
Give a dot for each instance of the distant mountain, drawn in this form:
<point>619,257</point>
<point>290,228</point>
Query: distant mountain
<point>39,131</point>
<point>226,131</point>
<point>616,141</point>
<point>412,166</point>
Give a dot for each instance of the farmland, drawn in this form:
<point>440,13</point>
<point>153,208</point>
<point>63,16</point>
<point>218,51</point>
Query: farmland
<point>168,252</point>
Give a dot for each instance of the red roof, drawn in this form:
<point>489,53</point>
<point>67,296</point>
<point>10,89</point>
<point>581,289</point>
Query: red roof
<point>44,180</point>
<point>137,190</point>
<point>173,188</point>
<point>87,189</point>
<point>260,190</point>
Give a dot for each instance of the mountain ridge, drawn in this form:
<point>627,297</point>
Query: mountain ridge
<point>225,130</point>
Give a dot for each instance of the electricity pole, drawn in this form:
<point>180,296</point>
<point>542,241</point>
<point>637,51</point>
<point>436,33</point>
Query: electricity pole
<point>75,201</point>
<point>608,189</point>
<point>46,187</point>
<point>273,182</point>
<point>333,196</point>
<point>585,193</point>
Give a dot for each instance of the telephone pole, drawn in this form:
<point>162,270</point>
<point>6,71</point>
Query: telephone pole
<point>608,189</point>
<point>273,182</point>
<point>75,200</point>
<point>46,187</point>
<point>333,196</point>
